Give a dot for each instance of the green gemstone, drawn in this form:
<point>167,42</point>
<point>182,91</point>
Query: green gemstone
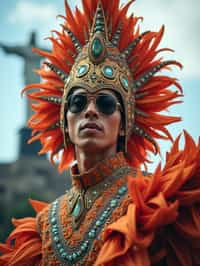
<point>53,220</point>
<point>113,203</point>
<point>55,231</point>
<point>92,234</point>
<point>69,257</point>
<point>77,208</point>
<point>56,239</point>
<point>78,253</point>
<point>82,70</point>
<point>84,246</point>
<point>97,48</point>
<point>122,190</point>
<point>55,227</point>
<point>106,213</point>
<point>68,79</point>
<point>64,255</point>
<point>61,250</point>
<point>74,256</point>
<point>98,28</point>
<point>53,213</point>
<point>108,71</point>
<point>58,245</point>
<point>99,22</point>
<point>102,218</point>
<point>124,82</point>
<point>98,223</point>
<point>94,192</point>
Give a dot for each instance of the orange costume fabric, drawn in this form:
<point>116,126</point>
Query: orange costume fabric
<point>145,219</point>
<point>162,219</point>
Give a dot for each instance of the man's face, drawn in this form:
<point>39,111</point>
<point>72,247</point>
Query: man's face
<point>92,130</point>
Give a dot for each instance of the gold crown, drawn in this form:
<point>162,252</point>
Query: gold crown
<point>100,65</point>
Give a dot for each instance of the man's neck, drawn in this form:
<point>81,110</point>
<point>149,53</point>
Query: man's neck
<point>88,160</point>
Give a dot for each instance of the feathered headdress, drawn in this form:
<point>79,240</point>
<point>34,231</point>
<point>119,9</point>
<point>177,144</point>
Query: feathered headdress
<point>102,42</point>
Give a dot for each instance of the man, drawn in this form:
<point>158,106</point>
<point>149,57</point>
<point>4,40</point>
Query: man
<point>98,106</point>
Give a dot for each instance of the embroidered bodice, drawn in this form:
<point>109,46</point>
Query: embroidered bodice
<point>72,227</point>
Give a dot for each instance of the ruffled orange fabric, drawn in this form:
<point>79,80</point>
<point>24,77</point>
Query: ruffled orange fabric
<point>23,246</point>
<point>164,218</point>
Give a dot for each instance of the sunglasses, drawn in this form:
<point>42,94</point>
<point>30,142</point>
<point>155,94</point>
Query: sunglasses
<point>105,103</point>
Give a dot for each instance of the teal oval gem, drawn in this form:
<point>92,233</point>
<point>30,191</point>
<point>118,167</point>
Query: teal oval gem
<point>56,239</point>
<point>61,250</point>
<point>102,218</point>
<point>97,48</point>
<point>78,253</point>
<point>53,220</point>
<point>64,255</point>
<point>106,213</point>
<point>55,231</point>
<point>74,256</point>
<point>92,234</point>
<point>69,257</point>
<point>94,192</point>
<point>98,223</point>
<point>113,203</point>
<point>108,72</point>
<point>82,70</point>
<point>68,79</point>
<point>53,213</point>
<point>77,208</point>
<point>98,28</point>
<point>83,248</point>
<point>124,82</point>
<point>59,245</point>
<point>122,190</point>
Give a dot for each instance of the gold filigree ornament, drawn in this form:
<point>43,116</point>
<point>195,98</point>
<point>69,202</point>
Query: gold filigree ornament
<point>98,66</point>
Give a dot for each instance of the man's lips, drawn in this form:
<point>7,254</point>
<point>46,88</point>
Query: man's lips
<point>90,125</point>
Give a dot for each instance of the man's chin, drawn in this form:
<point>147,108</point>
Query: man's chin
<point>91,145</point>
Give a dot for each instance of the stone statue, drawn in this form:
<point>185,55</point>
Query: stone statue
<point>31,61</point>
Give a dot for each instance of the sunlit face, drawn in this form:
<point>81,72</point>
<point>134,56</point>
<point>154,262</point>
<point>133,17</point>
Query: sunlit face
<point>92,130</point>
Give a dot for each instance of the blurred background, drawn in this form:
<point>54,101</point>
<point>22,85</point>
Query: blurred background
<point>27,23</point>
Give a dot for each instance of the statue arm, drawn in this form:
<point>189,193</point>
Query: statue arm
<point>18,50</point>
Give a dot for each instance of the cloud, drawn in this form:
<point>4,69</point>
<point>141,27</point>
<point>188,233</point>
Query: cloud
<point>27,12</point>
<point>182,21</point>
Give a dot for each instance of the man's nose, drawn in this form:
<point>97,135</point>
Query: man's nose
<point>91,110</point>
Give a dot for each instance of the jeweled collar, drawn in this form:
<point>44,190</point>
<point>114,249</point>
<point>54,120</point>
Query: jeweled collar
<point>98,173</point>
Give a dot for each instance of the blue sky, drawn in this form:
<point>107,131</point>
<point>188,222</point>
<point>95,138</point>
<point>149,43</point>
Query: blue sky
<point>19,17</point>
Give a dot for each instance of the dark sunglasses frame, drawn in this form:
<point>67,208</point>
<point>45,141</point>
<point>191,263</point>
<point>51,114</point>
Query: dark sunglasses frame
<point>104,109</point>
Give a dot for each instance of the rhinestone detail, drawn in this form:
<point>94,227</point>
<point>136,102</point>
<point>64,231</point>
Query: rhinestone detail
<point>108,72</point>
<point>97,48</point>
<point>82,70</point>
<point>124,82</point>
<point>64,253</point>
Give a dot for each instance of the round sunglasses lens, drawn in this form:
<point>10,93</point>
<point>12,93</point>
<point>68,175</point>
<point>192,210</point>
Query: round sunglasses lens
<point>106,104</point>
<point>77,103</point>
